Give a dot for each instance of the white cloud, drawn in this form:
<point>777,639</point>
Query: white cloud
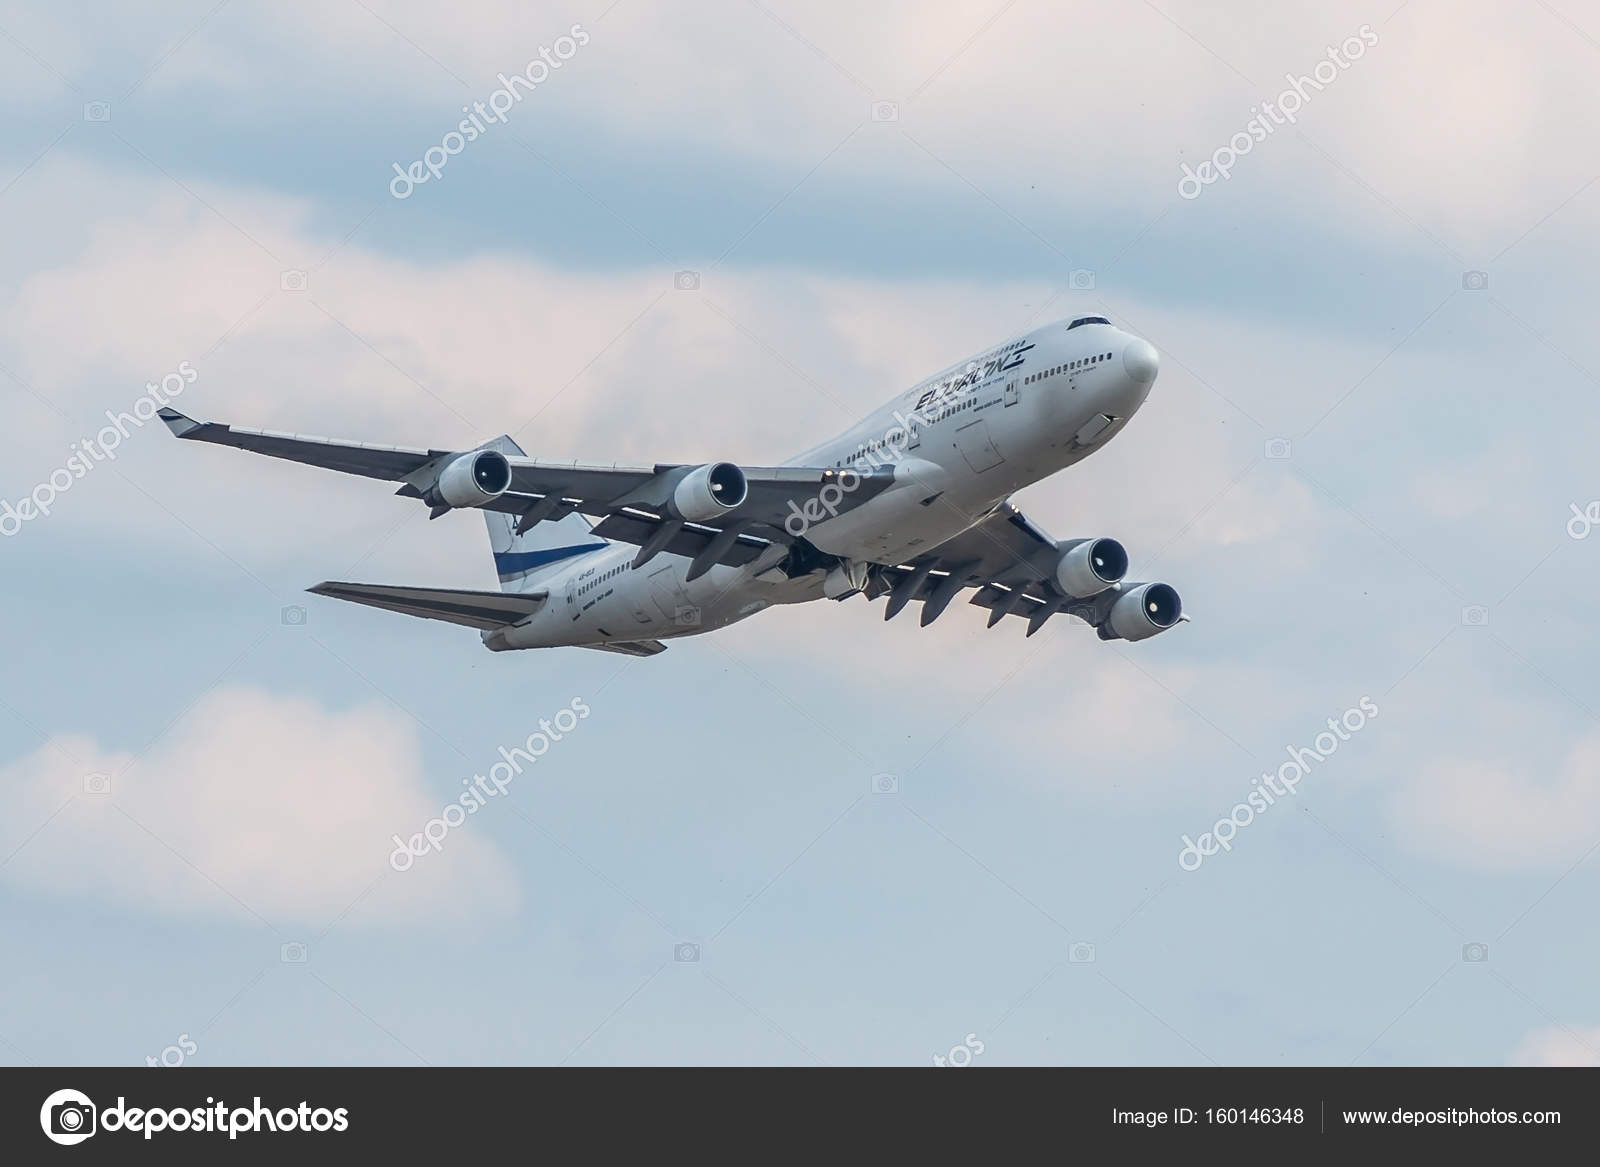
<point>1482,488</point>
<point>252,798</point>
<point>1080,718</point>
<point>1559,1046</point>
<point>1504,815</point>
<point>806,354</point>
<point>613,365</point>
<point>1480,103</point>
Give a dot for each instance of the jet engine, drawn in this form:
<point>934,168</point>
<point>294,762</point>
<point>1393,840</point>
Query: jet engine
<point>709,492</point>
<point>1142,611</point>
<point>474,479</point>
<point>1090,566</point>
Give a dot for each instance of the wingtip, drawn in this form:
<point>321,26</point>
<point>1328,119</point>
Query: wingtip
<point>180,424</point>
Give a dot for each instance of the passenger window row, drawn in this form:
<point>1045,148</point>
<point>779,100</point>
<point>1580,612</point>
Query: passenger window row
<point>1071,366</point>
<point>874,447</point>
<point>601,578</point>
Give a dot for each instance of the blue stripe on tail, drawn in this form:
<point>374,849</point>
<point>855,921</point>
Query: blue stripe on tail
<point>508,563</point>
<point>526,562</point>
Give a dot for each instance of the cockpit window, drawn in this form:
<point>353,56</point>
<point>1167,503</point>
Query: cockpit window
<point>1087,320</point>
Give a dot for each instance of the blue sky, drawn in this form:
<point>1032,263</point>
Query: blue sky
<point>195,786</point>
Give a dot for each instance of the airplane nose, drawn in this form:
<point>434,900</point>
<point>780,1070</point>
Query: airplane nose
<point>1141,361</point>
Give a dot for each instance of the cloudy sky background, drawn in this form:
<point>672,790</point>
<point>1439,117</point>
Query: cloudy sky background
<point>720,794</point>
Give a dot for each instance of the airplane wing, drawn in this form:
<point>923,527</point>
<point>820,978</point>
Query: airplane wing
<point>633,503</point>
<point>483,610</point>
<point>1006,547</point>
<point>1011,563</point>
<point>364,458</point>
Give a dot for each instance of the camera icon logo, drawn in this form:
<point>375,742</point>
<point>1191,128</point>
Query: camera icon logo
<point>686,953</point>
<point>97,111</point>
<point>885,111</point>
<point>884,784</point>
<point>1081,953</point>
<point>686,281</point>
<point>293,280</point>
<point>1475,616</point>
<point>293,952</point>
<point>1475,281</point>
<point>1081,279</point>
<point>68,1117</point>
<point>1278,449</point>
<point>1475,953</point>
<point>97,783</point>
<point>294,616</point>
<point>687,617</point>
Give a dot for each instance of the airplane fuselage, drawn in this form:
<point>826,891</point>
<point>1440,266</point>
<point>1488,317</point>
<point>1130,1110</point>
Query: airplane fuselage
<point>959,444</point>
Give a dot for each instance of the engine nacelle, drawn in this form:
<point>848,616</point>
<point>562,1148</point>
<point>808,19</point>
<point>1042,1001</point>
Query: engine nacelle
<point>1142,611</point>
<point>710,491</point>
<point>1090,567</point>
<point>474,479</point>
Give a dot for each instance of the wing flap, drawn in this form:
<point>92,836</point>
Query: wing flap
<point>689,542</point>
<point>1007,559</point>
<point>1004,548</point>
<point>483,610</point>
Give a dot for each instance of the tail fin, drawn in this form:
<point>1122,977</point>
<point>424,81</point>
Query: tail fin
<point>521,561</point>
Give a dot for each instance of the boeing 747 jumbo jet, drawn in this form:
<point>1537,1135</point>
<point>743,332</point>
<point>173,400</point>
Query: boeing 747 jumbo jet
<point>909,503</point>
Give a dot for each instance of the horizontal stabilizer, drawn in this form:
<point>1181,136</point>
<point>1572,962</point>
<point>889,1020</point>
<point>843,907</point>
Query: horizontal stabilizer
<point>483,610</point>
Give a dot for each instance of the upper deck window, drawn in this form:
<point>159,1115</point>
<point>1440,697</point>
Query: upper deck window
<point>1087,320</point>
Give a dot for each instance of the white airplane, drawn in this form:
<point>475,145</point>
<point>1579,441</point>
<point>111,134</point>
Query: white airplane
<point>911,502</point>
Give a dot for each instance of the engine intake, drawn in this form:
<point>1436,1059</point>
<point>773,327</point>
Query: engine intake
<point>474,479</point>
<point>710,491</point>
<point>1143,611</point>
<point>1090,567</point>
